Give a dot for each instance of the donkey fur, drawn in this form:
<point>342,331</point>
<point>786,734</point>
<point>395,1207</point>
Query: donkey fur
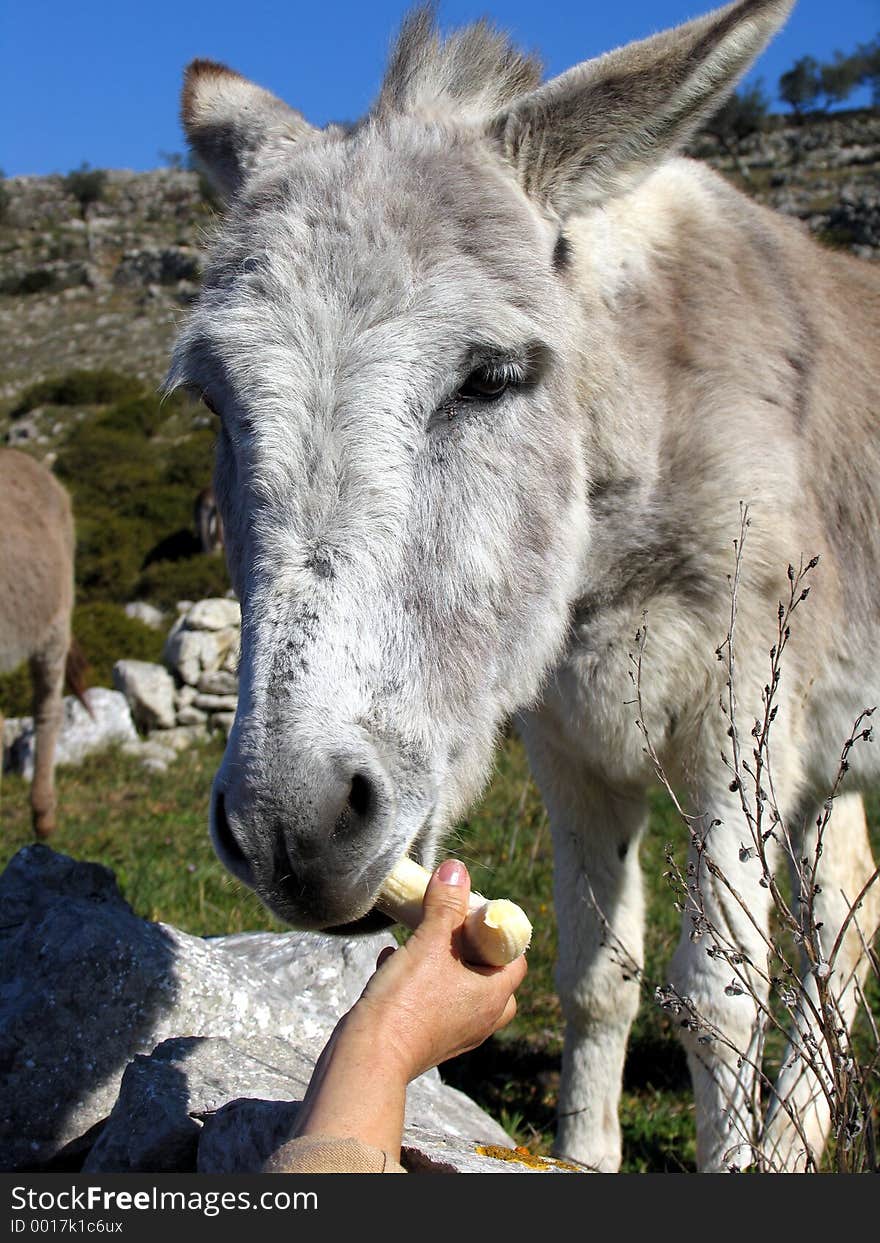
<point>36,600</point>
<point>415,562</point>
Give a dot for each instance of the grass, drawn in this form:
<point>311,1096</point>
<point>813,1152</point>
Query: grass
<point>151,830</point>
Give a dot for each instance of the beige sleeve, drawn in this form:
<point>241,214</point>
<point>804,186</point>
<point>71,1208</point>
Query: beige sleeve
<point>328,1154</point>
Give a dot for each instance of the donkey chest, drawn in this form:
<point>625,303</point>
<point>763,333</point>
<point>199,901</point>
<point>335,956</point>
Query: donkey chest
<point>596,697</point>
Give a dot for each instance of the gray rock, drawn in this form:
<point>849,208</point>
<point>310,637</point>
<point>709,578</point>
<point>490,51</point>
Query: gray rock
<point>149,690</point>
<point>157,266</point>
<point>181,737</point>
<point>230,661</point>
<point>218,682</point>
<point>190,653</point>
<point>85,985</point>
<point>165,1097</point>
<point>319,969</point>
<point>216,703</point>
<point>188,715</point>
<point>241,1136</point>
<point>80,734</point>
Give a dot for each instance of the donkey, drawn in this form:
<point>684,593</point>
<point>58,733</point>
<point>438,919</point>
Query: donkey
<point>36,600</point>
<point>494,372</point>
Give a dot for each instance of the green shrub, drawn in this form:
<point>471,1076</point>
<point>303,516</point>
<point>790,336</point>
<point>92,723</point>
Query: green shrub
<point>86,184</point>
<point>133,489</point>
<point>79,388</point>
<point>103,467</point>
<point>190,462</point>
<point>109,554</point>
<point>194,578</point>
<point>139,416</point>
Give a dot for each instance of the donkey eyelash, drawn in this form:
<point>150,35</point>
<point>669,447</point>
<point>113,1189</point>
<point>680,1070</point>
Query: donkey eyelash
<point>486,383</point>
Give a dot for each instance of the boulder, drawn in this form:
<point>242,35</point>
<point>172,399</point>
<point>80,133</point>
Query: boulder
<point>149,690</point>
<point>128,1045</point>
<point>80,735</point>
<point>165,1098</point>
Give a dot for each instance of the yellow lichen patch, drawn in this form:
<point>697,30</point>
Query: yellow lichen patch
<point>524,1157</point>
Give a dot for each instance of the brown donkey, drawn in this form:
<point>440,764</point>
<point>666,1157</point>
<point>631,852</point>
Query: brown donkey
<point>36,600</point>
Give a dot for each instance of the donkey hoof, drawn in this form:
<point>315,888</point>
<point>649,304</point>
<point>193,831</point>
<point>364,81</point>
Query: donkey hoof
<point>44,824</point>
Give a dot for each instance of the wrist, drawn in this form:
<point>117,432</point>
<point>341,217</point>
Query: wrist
<point>371,1031</point>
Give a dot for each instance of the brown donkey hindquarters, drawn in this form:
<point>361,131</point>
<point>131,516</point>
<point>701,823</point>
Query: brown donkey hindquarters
<point>36,600</point>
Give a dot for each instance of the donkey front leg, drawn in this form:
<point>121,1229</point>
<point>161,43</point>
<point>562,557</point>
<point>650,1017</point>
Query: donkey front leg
<point>47,674</point>
<point>600,914</point>
<point>720,971</point>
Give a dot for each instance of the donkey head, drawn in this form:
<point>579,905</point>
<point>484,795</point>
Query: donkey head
<point>392,334</point>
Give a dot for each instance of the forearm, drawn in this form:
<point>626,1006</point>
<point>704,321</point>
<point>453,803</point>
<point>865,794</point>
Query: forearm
<point>355,1091</point>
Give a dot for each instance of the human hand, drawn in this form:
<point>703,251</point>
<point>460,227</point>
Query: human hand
<point>425,1003</point>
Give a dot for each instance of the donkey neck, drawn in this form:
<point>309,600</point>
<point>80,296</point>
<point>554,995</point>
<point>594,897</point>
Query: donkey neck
<point>690,332</point>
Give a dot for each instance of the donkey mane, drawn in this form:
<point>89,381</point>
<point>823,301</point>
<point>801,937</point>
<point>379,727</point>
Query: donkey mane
<point>474,72</point>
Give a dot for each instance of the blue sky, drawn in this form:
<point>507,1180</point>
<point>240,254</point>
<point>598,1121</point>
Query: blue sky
<point>98,80</point>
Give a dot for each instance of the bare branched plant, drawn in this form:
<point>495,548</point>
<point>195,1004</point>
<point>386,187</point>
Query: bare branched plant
<point>806,992</point>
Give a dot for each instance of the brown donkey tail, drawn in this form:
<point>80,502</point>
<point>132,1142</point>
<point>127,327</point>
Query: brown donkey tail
<point>75,670</point>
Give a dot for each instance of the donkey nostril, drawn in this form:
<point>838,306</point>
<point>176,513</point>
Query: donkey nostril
<point>360,796</point>
<point>225,837</point>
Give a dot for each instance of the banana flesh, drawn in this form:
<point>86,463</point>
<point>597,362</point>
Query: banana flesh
<point>496,931</point>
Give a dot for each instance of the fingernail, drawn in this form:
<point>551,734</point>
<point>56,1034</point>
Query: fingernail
<point>451,872</point>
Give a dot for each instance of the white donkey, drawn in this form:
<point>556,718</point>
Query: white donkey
<point>494,372</point>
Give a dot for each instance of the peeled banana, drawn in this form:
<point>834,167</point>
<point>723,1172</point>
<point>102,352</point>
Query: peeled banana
<point>495,932</point>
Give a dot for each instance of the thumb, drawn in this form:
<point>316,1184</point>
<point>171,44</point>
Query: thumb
<point>446,898</point>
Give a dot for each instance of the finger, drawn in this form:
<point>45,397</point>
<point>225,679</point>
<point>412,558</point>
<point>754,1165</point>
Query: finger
<point>385,954</point>
<point>446,898</point>
<point>508,1013</point>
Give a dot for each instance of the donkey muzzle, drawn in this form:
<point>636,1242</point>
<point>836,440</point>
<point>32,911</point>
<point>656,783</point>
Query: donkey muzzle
<point>314,842</point>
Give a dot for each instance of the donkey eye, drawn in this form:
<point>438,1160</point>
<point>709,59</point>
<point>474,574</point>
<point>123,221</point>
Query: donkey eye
<point>206,401</point>
<point>486,384</point>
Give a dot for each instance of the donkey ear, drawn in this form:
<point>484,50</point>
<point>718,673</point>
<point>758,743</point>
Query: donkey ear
<point>232,125</point>
<point>596,130</point>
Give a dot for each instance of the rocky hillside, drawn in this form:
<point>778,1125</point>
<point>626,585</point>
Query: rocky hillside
<point>104,283</point>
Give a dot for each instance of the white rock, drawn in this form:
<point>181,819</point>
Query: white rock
<point>149,690</point>
<point>218,682</point>
<point>80,734</point>
<point>188,715</point>
<point>140,610</point>
<point>216,703</point>
<point>214,614</point>
<point>183,696</point>
<point>184,651</point>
